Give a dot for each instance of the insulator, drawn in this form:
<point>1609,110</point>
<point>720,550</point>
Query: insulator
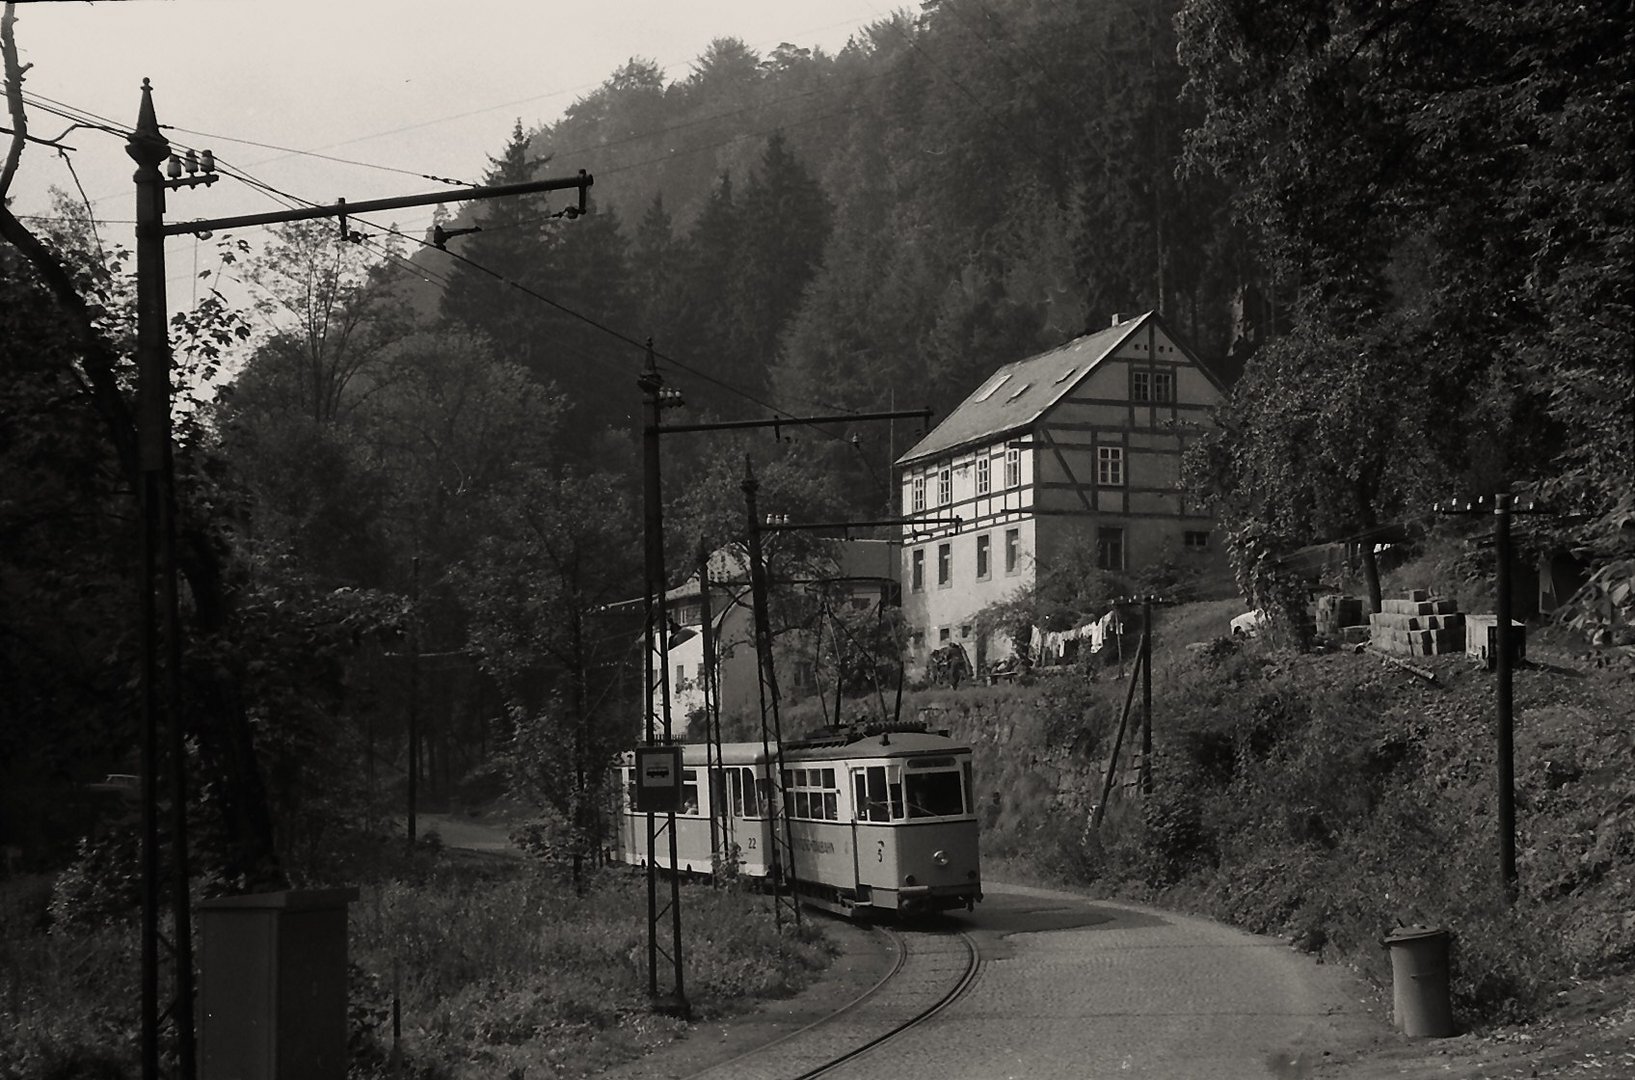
<point>207,161</point>
<point>173,167</point>
<point>192,162</point>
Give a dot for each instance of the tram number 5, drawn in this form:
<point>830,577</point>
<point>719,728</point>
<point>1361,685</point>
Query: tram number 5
<point>880,851</point>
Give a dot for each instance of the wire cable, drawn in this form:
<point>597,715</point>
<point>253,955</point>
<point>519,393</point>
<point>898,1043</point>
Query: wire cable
<point>316,154</point>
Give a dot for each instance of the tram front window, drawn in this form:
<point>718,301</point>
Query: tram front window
<point>934,794</point>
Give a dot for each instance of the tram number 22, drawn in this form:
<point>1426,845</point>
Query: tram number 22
<point>751,840</point>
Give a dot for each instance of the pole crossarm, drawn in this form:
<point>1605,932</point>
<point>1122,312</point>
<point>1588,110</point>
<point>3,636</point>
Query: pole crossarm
<point>883,523</point>
<point>796,421</point>
<point>350,209</point>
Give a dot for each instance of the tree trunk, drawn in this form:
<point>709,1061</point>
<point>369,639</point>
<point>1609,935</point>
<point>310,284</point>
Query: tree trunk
<point>1371,574</point>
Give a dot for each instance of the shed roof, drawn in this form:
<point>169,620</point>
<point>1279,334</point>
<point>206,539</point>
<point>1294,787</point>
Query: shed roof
<point>1016,395</point>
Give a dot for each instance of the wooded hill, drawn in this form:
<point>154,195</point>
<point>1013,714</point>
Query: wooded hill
<point>1424,207</point>
<point>1411,224</point>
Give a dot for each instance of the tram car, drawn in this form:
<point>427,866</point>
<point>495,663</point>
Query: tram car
<point>879,822</point>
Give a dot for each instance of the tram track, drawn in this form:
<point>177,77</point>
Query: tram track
<point>930,972</point>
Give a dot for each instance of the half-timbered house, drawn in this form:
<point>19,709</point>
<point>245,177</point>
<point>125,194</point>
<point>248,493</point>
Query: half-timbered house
<point>1082,441</point>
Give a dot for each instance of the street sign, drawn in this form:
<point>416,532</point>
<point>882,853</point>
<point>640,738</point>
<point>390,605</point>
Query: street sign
<point>658,779</point>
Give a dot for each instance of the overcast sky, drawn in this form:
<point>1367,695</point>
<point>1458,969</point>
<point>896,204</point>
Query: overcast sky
<point>418,86</point>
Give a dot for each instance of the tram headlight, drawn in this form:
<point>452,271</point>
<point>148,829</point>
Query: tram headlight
<point>940,858</point>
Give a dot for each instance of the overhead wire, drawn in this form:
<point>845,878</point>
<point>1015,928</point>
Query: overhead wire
<point>94,120</point>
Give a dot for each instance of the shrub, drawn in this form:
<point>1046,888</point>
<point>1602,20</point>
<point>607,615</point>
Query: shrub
<point>102,884</point>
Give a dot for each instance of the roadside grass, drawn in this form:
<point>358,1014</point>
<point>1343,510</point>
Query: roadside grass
<point>500,969</point>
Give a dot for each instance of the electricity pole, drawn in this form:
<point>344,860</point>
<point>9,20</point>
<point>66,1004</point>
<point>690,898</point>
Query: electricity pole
<point>1146,695</point>
<point>655,398</point>
<point>1504,648</point>
<point>159,604</point>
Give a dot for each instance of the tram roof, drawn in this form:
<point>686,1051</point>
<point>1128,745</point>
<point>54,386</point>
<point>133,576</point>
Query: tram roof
<point>886,744</point>
<point>838,747</point>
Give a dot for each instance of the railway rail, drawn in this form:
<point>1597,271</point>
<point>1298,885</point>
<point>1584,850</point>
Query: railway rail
<point>932,970</point>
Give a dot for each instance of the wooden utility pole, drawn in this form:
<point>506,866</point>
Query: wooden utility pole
<point>1504,649</point>
<point>1146,695</point>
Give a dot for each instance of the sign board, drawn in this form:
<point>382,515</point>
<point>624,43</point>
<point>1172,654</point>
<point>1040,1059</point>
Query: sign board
<point>658,779</point>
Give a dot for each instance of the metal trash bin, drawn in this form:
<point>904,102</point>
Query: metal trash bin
<point>1420,1003</point>
<point>272,986</point>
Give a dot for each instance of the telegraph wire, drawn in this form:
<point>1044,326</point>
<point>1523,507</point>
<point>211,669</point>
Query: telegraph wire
<point>316,154</point>
<point>284,198</point>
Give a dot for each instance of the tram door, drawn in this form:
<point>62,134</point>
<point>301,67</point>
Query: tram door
<point>875,791</point>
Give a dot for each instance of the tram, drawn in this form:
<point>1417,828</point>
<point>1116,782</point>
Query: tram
<point>879,821</point>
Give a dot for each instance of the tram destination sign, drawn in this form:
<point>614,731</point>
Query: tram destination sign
<point>658,779</point>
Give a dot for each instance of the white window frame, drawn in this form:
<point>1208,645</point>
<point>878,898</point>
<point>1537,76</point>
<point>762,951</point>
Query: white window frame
<point>945,486</point>
<point>984,475</point>
<point>916,497</point>
<point>1163,387</point>
<point>1013,467</point>
<point>1110,466</point>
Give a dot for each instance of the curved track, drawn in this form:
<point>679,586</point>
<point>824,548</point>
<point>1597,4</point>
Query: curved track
<point>932,970</point>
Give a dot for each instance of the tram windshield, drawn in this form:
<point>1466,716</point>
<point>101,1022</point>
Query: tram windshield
<point>934,794</point>
<point>928,788</point>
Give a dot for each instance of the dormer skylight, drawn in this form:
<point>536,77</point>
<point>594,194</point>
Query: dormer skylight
<point>1018,392</point>
<point>1066,375</point>
<point>993,387</point>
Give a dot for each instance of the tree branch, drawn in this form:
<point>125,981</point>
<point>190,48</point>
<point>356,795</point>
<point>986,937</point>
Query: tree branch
<point>14,97</point>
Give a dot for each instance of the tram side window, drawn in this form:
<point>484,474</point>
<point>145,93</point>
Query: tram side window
<point>689,792</point>
<point>629,789</point>
<point>935,794</point>
<point>970,807</point>
<point>745,788</point>
<point>718,789</point>
<point>812,794</point>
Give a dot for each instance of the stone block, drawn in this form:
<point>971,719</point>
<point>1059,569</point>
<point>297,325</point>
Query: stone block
<point>1418,607</point>
<point>1355,635</point>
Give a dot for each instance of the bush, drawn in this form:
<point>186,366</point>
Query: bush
<point>102,884</point>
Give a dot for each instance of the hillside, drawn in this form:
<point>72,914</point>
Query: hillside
<point>1329,797</point>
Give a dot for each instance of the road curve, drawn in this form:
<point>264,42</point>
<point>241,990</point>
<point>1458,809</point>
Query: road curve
<point>1091,990</point>
<point>1070,988</point>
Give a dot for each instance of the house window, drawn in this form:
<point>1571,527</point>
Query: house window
<point>681,677</point>
<point>1196,541</point>
<point>916,497</point>
<point>984,478</point>
<point>943,634</point>
<point>917,573</point>
<point>1153,386</point>
<point>1013,545</point>
<point>983,543</point>
<point>1013,467</point>
<point>1110,548</point>
<point>945,486</point>
<point>1110,466</point>
<point>945,565</point>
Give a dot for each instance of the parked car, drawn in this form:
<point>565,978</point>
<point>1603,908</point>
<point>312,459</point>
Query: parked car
<point>126,784</point>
